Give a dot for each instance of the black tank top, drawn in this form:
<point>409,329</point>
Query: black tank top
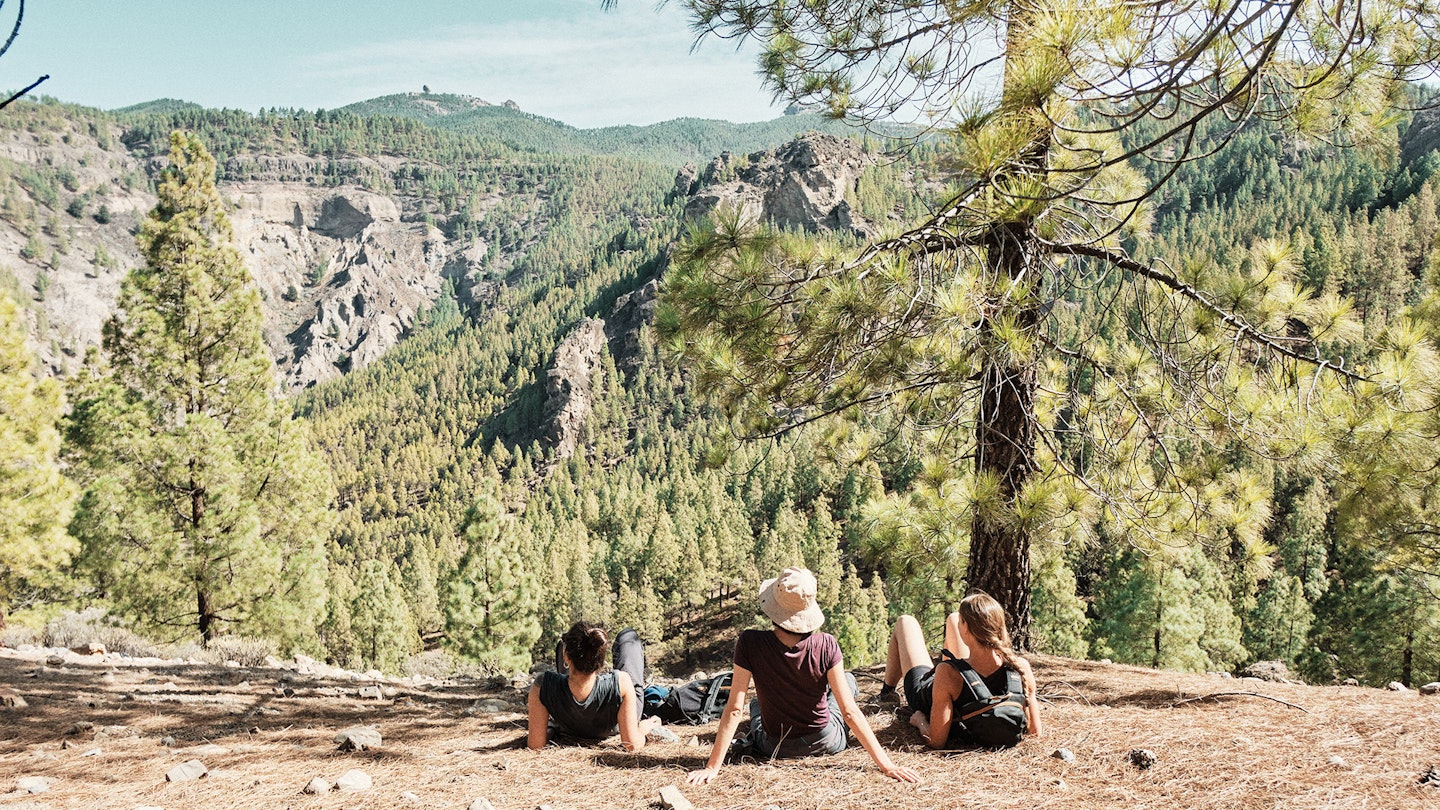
<point>593,719</point>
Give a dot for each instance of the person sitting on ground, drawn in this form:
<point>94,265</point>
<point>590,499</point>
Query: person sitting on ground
<point>976,640</point>
<point>792,665</point>
<point>586,704</point>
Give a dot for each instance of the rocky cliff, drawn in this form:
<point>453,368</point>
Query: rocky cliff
<point>343,271</point>
<point>801,185</point>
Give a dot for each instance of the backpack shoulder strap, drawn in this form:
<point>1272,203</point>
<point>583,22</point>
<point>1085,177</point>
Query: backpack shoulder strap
<point>713,701</point>
<point>978,689</point>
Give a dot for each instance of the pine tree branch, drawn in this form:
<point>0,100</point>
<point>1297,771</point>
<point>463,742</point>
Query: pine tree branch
<point>1214,695</point>
<point>17,96</point>
<point>1242,327</point>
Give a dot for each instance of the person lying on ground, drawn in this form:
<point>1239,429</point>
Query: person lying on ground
<point>977,657</point>
<point>586,704</point>
<point>792,666</point>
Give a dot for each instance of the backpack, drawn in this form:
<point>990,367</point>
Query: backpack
<point>693,704</point>
<point>991,721</point>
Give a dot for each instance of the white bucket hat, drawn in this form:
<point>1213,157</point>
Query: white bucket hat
<point>789,601</point>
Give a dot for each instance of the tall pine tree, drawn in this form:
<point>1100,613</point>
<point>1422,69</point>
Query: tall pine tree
<point>205,509</point>
<point>35,499</point>
<point>492,613</point>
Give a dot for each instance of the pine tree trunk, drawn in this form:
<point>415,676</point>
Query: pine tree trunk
<point>1407,661</point>
<point>1006,427</point>
<point>1005,437</point>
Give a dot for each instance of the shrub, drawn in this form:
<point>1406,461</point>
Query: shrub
<point>248,652</point>
<point>71,629</point>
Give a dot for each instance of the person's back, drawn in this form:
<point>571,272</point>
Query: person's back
<point>791,680</point>
<point>594,718</point>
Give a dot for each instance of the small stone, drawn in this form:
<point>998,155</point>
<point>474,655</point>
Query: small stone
<point>186,771</point>
<point>358,738</point>
<point>370,693</point>
<point>80,727</point>
<point>93,648</point>
<point>1143,758</point>
<point>1059,784</point>
<point>1338,762</point>
<point>672,799</point>
<point>11,699</point>
<point>1396,686</point>
<point>1431,777</point>
<point>1432,688</point>
<point>694,741</point>
<point>353,781</point>
<point>93,752</point>
<point>167,741</point>
<point>232,664</point>
<point>1268,671</point>
<point>410,797</point>
<point>1350,682</point>
<point>481,803</point>
<point>502,764</point>
<point>118,731</point>
<point>663,735</point>
<point>66,745</point>
<point>55,660</point>
<point>317,787</point>
<point>491,706</point>
<point>34,784</point>
<point>699,676</point>
<point>1064,755</point>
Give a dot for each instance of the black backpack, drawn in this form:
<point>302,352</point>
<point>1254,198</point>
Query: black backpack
<point>991,721</point>
<point>693,704</point>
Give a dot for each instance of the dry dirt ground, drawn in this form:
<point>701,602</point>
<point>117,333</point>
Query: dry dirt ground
<point>264,733</point>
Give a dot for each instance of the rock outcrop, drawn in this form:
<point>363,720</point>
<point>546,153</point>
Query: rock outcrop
<point>801,185</point>
<point>343,271</point>
<point>568,399</point>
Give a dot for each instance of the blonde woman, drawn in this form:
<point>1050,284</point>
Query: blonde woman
<point>805,697</point>
<point>981,694</point>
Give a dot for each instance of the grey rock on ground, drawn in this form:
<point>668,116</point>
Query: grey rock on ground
<point>1064,755</point>
<point>481,803</point>
<point>186,771</point>
<point>663,735</point>
<point>1396,686</point>
<point>1432,688</point>
<point>9,698</point>
<point>1268,671</point>
<point>353,780</point>
<point>34,784</point>
<point>410,797</point>
<point>1350,682</point>
<point>317,787</point>
<point>358,738</point>
<point>672,799</point>
<point>1431,777</point>
<point>1142,758</point>
<point>80,727</point>
<point>1338,762</point>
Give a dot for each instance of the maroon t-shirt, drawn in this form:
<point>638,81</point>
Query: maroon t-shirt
<point>789,681</point>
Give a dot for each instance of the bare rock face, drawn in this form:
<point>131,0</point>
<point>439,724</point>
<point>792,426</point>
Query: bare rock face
<point>632,311</point>
<point>567,386</point>
<point>343,272</point>
<point>801,185</point>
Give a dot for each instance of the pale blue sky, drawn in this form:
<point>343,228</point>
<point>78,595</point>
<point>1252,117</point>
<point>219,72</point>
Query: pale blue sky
<point>564,59</point>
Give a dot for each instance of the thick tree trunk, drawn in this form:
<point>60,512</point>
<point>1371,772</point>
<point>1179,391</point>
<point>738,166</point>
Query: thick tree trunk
<point>1006,428</point>
<point>1005,437</point>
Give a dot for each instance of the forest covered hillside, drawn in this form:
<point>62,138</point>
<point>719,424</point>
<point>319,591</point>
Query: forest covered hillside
<point>530,451</point>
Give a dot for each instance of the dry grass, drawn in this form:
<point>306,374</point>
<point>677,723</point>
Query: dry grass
<point>263,746</point>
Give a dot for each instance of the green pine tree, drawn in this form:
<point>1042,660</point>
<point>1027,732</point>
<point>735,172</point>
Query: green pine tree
<point>380,620</point>
<point>205,506</point>
<point>35,498</point>
<point>492,609</point>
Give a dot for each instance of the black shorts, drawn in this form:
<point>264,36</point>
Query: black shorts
<point>919,685</point>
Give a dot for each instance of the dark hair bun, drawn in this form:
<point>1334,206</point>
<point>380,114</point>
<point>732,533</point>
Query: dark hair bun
<point>585,643</point>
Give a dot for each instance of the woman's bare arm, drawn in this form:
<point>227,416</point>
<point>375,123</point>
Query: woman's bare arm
<point>729,722</point>
<point>539,720</point>
<point>633,730</point>
<point>855,719</point>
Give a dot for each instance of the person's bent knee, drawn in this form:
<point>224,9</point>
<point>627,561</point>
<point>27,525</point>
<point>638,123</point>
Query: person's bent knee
<point>908,621</point>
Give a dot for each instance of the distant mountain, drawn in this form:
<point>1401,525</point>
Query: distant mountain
<point>673,143</point>
<point>160,106</point>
